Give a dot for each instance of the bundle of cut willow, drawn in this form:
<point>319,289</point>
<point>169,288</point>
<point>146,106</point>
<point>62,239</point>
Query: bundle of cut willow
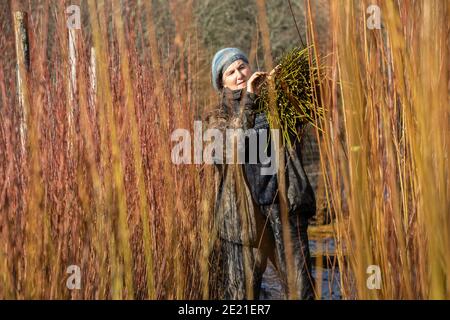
<point>295,83</point>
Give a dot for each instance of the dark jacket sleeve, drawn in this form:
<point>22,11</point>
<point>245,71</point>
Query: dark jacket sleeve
<point>249,110</point>
<point>219,119</point>
<point>300,193</point>
<point>264,188</point>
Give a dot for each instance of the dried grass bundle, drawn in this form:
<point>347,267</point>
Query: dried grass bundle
<point>295,84</point>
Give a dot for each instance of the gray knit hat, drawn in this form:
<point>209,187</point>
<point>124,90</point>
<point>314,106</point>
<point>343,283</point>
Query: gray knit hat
<point>221,61</point>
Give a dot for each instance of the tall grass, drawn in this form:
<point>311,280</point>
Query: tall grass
<point>104,194</point>
<point>96,187</point>
<point>385,150</point>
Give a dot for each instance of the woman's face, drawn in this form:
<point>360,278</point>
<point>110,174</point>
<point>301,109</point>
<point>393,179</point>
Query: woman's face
<point>236,75</point>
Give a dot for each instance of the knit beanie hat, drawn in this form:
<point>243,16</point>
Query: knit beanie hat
<point>221,61</point>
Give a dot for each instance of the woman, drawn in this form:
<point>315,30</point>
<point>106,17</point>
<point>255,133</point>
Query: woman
<point>247,211</point>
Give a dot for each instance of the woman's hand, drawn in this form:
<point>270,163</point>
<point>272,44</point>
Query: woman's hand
<point>255,81</point>
<point>236,123</point>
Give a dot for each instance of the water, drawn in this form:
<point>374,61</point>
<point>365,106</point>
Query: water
<point>271,288</point>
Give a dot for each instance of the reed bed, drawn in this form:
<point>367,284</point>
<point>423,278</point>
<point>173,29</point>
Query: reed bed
<point>385,147</point>
<point>95,186</point>
<point>86,176</point>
